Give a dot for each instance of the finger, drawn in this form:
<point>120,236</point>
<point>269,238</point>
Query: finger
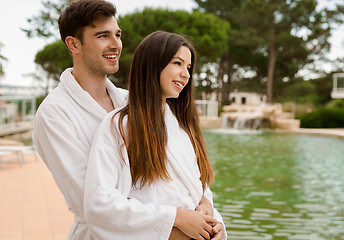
<point>218,230</point>
<point>208,228</point>
<point>217,236</point>
<point>218,227</point>
<point>210,219</point>
<point>200,237</point>
<point>205,234</point>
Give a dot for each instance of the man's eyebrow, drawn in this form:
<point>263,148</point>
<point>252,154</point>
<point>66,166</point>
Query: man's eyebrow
<point>101,32</point>
<point>106,32</point>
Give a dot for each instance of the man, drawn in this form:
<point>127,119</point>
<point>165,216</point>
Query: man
<point>68,118</point>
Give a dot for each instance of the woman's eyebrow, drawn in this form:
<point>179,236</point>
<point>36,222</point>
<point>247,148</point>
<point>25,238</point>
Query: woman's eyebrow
<point>179,58</point>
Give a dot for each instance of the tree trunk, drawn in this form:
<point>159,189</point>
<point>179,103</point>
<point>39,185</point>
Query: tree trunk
<point>219,82</point>
<point>225,68</point>
<point>271,65</point>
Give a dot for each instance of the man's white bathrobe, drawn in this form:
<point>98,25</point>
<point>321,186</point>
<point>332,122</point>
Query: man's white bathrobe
<point>109,214</point>
<point>65,125</point>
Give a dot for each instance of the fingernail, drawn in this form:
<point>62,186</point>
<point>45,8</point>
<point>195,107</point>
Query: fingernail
<point>214,229</point>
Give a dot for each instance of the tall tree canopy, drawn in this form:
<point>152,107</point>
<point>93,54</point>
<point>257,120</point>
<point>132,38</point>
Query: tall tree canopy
<point>275,37</point>
<point>208,33</point>
<point>271,39</point>
<point>54,59</point>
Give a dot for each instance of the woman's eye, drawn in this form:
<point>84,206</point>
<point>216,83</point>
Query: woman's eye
<point>178,63</point>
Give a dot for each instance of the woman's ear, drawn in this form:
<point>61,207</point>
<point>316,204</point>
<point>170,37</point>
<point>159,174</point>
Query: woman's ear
<point>73,44</point>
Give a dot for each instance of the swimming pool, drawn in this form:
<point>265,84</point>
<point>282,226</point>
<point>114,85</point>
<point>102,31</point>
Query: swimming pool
<point>278,186</point>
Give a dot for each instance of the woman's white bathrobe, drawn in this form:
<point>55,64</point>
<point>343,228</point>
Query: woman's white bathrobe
<point>109,214</point>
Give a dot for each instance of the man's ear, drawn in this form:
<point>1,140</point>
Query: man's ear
<point>73,44</point>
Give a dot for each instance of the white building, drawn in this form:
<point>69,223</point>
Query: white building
<point>12,90</point>
<point>338,86</point>
<point>247,98</point>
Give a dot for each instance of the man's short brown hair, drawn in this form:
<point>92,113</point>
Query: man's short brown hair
<point>82,13</point>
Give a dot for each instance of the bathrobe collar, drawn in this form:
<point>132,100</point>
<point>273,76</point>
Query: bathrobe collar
<point>82,97</point>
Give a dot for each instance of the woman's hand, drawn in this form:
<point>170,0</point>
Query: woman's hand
<point>205,207</point>
<point>218,231</point>
<point>195,224</point>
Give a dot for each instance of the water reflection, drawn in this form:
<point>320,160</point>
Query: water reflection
<point>279,186</point>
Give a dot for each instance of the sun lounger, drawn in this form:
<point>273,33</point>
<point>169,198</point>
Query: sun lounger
<point>6,156</point>
<point>18,151</point>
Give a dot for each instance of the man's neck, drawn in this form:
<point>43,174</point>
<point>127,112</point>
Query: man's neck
<point>96,87</point>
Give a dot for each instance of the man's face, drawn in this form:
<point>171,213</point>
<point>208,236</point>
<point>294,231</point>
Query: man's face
<point>101,47</point>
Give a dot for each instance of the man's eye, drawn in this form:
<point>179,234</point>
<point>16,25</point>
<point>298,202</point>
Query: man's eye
<point>102,36</point>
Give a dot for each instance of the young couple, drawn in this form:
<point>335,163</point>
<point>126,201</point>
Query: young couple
<point>130,165</point>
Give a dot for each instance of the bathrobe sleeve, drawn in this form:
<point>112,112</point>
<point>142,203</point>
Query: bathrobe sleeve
<point>108,212</point>
<point>209,195</point>
<point>64,154</point>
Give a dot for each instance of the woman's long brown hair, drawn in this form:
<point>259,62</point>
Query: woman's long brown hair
<point>146,137</point>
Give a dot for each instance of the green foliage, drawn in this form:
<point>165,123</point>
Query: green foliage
<point>324,118</point>
<point>44,25</point>
<point>298,91</point>
<point>2,60</point>
<point>240,40</point>
<point>54,59</point>
<point>208,33</point>
<point>335,103</point>
<point>323,87</point>
<point>39,100</point>
<point>249,85</point>
<point>294,31</point>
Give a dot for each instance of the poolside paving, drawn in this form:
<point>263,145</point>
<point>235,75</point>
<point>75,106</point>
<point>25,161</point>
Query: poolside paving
<point>31,206</point>
<point>334,132</point>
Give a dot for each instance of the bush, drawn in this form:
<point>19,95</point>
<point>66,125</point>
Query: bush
<point>335,103</point>
<point>323,118</point>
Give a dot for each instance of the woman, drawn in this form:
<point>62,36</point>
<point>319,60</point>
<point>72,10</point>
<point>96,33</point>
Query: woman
<point>155,145</point>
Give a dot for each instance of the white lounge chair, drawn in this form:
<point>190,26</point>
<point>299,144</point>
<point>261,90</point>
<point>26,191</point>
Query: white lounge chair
<point>18,151</point>
<point>6,156</point>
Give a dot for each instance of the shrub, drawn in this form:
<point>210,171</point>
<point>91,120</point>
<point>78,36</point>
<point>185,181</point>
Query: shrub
<point>335,103</point>
<point>323,118</point>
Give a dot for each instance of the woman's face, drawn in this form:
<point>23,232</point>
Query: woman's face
<point>175,76</point>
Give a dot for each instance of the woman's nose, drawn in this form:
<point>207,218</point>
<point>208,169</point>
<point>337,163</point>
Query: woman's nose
<point>185,73</point>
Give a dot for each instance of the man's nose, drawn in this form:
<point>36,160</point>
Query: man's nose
<point>116,42</point>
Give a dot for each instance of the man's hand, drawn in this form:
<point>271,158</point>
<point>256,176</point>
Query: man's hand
<point>205,207</point>
<point>218,230</point>
<point>176,234</point>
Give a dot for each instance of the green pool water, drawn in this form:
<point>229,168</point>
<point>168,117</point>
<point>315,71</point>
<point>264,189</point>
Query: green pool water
<point>278,186</point>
